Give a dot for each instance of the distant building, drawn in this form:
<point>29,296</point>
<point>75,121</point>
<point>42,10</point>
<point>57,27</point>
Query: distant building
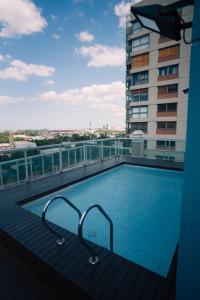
<point>24,144</point>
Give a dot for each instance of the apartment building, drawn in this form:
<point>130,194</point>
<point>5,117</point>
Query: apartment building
<point>157,73</point>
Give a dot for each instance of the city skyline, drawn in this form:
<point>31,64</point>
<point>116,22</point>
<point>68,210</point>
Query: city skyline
<point>62,65</point>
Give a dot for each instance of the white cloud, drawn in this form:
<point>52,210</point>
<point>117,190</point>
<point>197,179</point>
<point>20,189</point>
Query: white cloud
<point>85,36</point>
<point>97,98</point>
<point>122,9</point>
<point>102,55</point>
<point>49,82</point>
<point>21,71</point>
<point>20,17</point>
<point>2,58</point>
<point>56,36</point>
<point>7,99</point>
<point>5,58</point>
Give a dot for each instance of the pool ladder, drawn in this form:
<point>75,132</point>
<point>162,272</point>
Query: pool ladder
<point>93,259</point>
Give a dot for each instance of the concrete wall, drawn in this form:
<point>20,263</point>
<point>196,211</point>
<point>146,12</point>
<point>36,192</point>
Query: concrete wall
<point>188,273</point>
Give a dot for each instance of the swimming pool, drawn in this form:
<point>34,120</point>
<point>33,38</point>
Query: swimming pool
<point>143,203</point>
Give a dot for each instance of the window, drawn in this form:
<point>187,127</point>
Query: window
<point>140,78</point>
<point>128,84</point>
<point>140,61</point>
<point>167,145</point>
<point>128,68</point>
<point>169,70</point>
<point>168,91</point>
<point>139,126</point>
<point>172,88</point>
<point>136,26</point>
<point>167,107</point>
<point>168,53</point>
<point>128,45</point>
<point>128,54</point>
<point>166,125</point>
<point>139,112</point>
<point>140,95</point>
<point>140,43</point>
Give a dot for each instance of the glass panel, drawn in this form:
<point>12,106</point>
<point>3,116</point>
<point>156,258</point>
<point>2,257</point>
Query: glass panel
<point>161,125</point>
<point>143,115</point>
<point>144,97</point>
<point>137,26</point>
<point>140,43</point>
<point>135,116</point>
<point>162,107</point>
<point>143,109</point>
<point>172,88</point>
<point>171,125</point>
<point>171,106</point>
<point>136,98</point>
<point>136,110</point>
<point>162,71</point>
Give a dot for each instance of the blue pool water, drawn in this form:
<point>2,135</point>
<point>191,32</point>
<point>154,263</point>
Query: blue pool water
<point>143,203</point>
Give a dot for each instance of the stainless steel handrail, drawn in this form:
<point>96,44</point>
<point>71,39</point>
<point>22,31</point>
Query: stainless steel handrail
<point>61,239</point>
<point>94,259</point>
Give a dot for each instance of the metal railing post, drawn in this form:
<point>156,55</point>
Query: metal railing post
<point>42,164</point>
<point>116,142</point>
<point>75,156</point>
<point>93,259</point>
<point>101,150</point>
<point>84,153</point>
<point>17,170</point>
<point>31,168</point>
<point>26,166</point>
<point>1,176</point>
<point>52,161</point>
<point>60,159</point>
<point>68,158</point>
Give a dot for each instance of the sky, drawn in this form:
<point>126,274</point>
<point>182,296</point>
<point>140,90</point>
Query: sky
<point>62,63</point>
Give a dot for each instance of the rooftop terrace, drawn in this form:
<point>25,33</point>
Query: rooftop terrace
<point>31,249</point>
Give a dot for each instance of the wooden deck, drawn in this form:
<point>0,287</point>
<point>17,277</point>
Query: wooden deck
<point>35,261</point>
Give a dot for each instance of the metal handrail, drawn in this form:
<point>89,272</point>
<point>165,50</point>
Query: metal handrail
<point>94,259</point>
<point>61,239</point>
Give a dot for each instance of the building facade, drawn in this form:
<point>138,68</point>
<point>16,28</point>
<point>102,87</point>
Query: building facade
<point>157,73</point>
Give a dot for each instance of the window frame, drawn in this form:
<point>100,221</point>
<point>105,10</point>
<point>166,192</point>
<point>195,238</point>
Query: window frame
<point>137,29</point>
<point>139,80</point>
<point>167,105</point>
<point>166,144</point>
<point>140,126</point>
<point>166,125</point>
<point>137,113</point>
<point>141,45</point>
<point>167,68</point>
<point>139,96</point>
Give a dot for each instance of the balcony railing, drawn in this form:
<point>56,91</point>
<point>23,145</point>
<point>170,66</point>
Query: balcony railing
<point>25,165</point>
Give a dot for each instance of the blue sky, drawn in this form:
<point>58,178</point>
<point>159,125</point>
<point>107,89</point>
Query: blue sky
<point>62,63</point>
